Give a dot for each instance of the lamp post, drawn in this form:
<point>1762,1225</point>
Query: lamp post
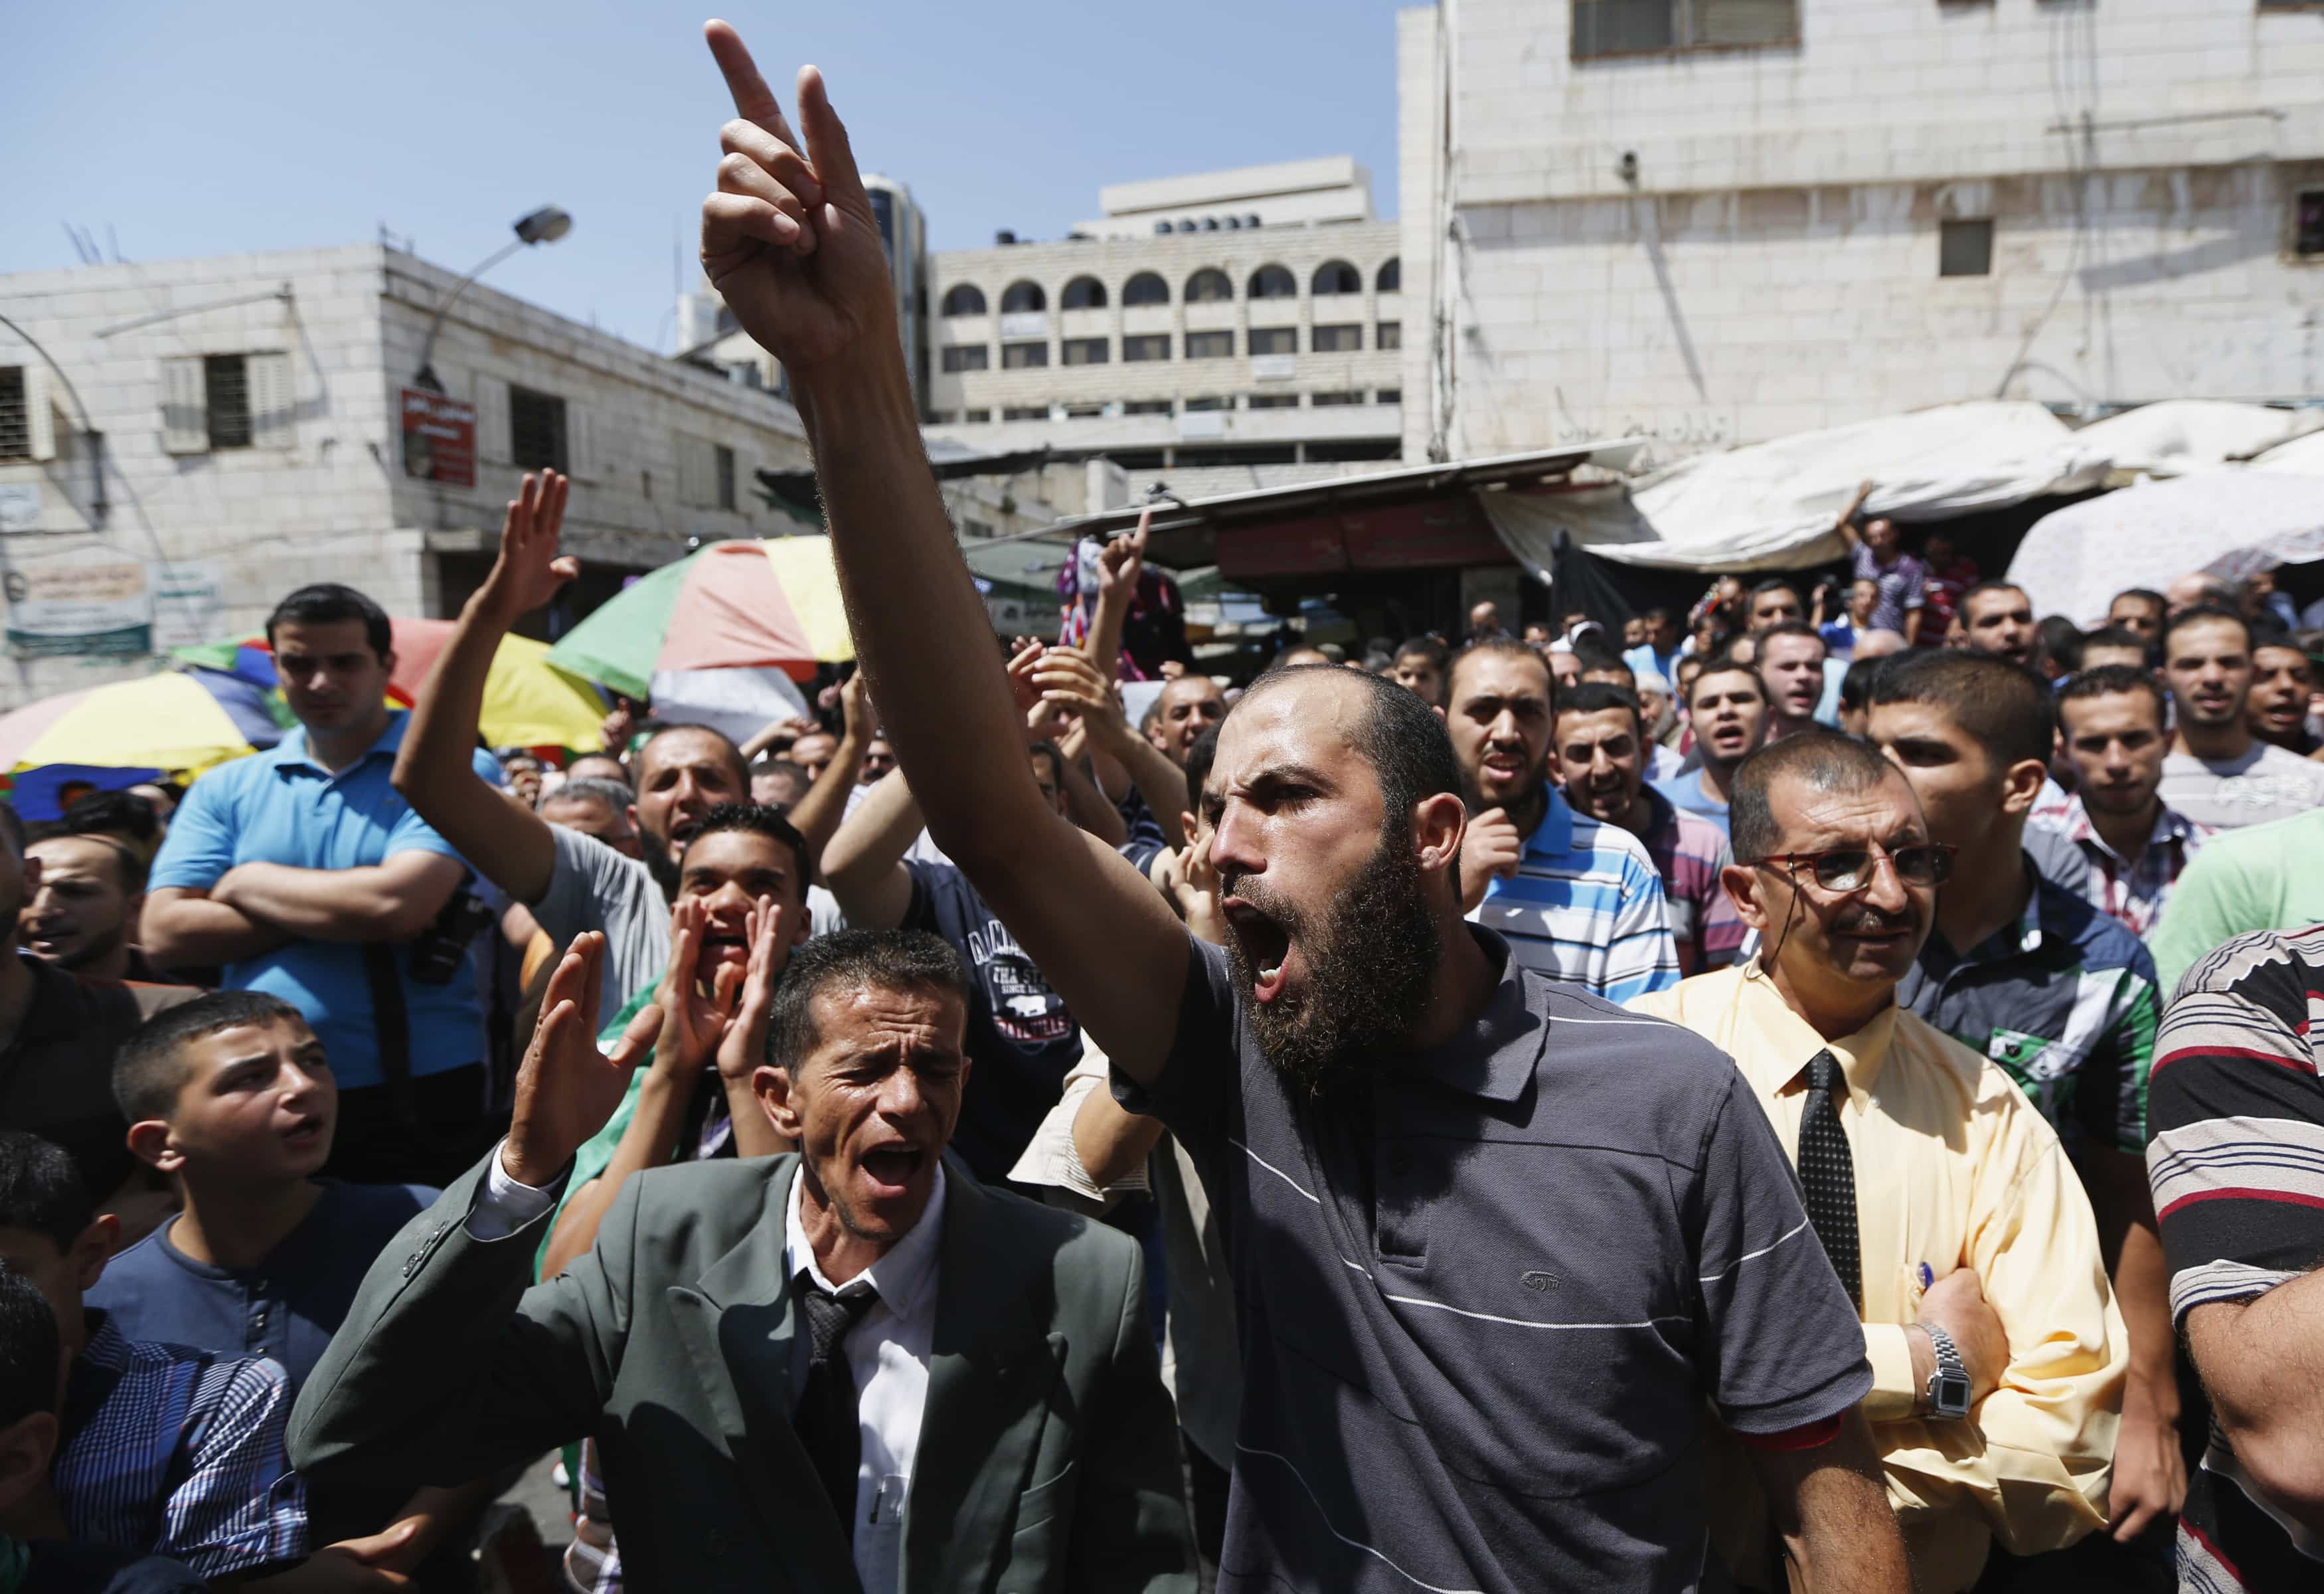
<point>544,226</point>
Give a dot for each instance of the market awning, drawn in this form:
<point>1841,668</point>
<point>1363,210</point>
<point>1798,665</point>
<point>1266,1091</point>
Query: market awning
<point>1420,518</point>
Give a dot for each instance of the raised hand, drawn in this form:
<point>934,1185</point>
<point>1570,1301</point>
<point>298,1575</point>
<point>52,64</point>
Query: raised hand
<point>1119,561</point>
<point>1070,681</point>
<point>693,1022</point>
<point>860,720</point>
<point>565,1089</point>
<point>530,571</point>
<point>788,240</point>
<point>743,1047</point>
<point>1021,665</point>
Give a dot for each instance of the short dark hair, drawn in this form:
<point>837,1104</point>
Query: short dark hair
<point>1790,628</point>
<point>2145,595</point>
<point>2116,636</point>
<point>30,1352</point>
<point>2004,707</point>
<point>1856,686</point>
<point>1424,646</point>
<point>2199,614</point>
<point>734,753</point>
<point>1593,653</point>
<point>1778,584</point>
<point>1402,738</point>
<point>150,1069</point>
<point>2061,641</point>
<point>758,819</point>
<point>1719,664</point>
<point>1824,760</point>
<point>1508,647</point>
<point>2108,681</point>
<point>129,866</point>
<point>1199,758</point>
<point>1597,697</point>
<point>1050,751</point>
<point>327,602</point>
<point>1659,612</point>
<point>40,1191</point>
<point>1994,584</point>
<point>113,813</point>
<point>853,959</point>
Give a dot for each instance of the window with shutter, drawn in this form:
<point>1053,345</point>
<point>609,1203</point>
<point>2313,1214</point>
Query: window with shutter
<point>723,460</point>
<point>273,406</point>
<point>536,430</point>
<point>1645,27</point>
<point>185,409</point>
<point>15,416</point>
<point>225,395</point>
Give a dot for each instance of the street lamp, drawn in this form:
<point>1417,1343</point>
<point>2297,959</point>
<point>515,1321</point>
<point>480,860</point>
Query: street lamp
<point>544,226</point>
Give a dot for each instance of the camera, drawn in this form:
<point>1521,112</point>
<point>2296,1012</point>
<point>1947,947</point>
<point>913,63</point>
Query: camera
<point>437,952</point>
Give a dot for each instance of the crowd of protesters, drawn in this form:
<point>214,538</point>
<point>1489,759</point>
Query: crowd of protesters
<point>1671,1101</point>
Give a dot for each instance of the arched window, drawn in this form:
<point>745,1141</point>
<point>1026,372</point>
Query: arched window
<point>1021,297</point>
<point>1145,288</point>
<point>1337,277</point>
<point>964,299</point>
<point>1085,293</point>
<point>1391,277</point>
<point>1208,286</point>
<point>1272,281</point>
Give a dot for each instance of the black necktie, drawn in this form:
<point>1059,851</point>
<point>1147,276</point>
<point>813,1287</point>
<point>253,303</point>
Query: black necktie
<point>827,1422</point>
<point>1827,1175</point>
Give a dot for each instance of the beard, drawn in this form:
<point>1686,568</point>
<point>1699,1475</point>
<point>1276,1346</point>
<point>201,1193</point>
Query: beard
<point>1370,963</point>
<point>654,853</point>
<point>96,950</point>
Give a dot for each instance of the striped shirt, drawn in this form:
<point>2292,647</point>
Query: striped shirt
<point>178,1452</point>
<point>2064,1000</point>
<point>2237,1167</point>
<point>1689,851</point>
<point>1585,905</point>
<point>2132,889</point>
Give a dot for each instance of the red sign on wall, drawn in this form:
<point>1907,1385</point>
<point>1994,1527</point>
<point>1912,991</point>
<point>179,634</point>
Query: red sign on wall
<point>439,439</point>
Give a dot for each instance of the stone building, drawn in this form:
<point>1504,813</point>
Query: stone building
<point>237,426</point>
<point>1719,221</point>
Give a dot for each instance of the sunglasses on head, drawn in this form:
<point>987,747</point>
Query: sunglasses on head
<point>1848,869</point>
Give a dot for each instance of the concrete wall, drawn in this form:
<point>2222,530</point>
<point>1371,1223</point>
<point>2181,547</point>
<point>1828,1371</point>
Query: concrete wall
<point>1770,262</point>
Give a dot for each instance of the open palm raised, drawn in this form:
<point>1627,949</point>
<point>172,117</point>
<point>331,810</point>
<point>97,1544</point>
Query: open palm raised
<point>788,240</point>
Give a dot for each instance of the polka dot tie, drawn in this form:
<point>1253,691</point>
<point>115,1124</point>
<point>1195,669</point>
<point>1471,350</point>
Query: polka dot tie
<point>826,1420</point>
<point>1827,1175</point>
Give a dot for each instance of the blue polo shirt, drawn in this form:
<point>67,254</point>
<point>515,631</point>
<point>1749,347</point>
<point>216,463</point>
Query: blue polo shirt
<point>280,807</point>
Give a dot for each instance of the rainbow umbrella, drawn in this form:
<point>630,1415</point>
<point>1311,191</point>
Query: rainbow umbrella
<point>169,721</point>
<point>529,703</point>
<point>720,636</point>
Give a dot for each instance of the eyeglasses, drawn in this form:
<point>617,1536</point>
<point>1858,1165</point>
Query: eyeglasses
<point>1850,869</point>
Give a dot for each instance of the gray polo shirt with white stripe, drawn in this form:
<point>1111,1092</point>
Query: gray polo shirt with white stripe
<point>1483,1299</point>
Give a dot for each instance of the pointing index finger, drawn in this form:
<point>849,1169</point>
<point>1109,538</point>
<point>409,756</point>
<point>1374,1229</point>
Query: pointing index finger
<point>753,100</point>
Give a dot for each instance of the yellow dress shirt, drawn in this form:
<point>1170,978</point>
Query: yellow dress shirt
<point>1954,1168</point>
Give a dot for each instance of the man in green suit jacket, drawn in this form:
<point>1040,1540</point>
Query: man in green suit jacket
<point>836,1370</point>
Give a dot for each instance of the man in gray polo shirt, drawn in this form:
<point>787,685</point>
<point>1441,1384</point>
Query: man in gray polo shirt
<point>1495,1241</point>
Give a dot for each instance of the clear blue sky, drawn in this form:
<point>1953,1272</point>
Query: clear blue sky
<point>187,130</point>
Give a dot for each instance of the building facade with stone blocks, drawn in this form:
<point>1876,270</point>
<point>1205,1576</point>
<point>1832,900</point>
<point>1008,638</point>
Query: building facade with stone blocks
<point>237,426</point>
<point>1720,221</point>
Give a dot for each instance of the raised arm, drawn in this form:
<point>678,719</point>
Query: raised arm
<point>818,815</point>
<point>1118,565</point>
<point>509,843</point>
<point>1845,525</point>
<point>863,867</point>
<point>791,244</point>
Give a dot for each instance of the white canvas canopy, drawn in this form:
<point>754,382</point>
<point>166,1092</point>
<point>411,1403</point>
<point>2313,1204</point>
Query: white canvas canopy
<point>2182,437</point>
<point>2303,458</point>
<point>1773,506</point>
<point>2229,524</point>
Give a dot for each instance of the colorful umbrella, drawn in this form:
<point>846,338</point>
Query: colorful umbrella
<point>719,635</point>
<point>169,721</point>
<point>529,703</point>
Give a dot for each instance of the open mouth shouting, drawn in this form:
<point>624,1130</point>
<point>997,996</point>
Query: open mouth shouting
<point>891,1167</point>
<point>310,1132</point>
<point>1264,945</point>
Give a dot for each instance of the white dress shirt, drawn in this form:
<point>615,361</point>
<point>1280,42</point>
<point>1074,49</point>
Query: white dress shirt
<point>887,1351</point>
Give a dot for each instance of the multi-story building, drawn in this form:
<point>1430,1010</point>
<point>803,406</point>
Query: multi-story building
<point>1718,221</point>
<point>1247,317</point>
<point>183,442</point>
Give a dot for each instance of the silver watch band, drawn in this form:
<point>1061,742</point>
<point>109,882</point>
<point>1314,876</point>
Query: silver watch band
<point>1949,1385</point>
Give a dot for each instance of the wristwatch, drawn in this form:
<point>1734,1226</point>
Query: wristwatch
<point>1948,1392</point>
